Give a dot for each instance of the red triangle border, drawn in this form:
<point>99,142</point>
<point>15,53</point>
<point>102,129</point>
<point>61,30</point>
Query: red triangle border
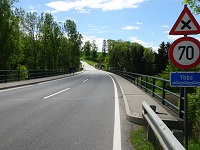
<point>173,30</point>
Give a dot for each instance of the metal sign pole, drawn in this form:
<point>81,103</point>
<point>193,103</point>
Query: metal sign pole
<point>184,53</point>
<point>186,118</point>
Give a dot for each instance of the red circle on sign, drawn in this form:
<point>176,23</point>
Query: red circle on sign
<point>179,49</point>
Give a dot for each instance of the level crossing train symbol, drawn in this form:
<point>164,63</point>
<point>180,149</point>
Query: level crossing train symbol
<point>185,24</point>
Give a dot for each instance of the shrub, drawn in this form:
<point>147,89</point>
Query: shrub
<point>194,112</point>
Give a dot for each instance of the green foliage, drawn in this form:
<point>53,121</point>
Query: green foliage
<point>132,57</point>
<point>23,72</point>
<point>36,41</point>
<point>194,144</point>
<point>87,48</point>
<point>94,50</point>
<point>194,112</point>
<point>194,5</point>
<point>162,57</point>
<point>139,140</point>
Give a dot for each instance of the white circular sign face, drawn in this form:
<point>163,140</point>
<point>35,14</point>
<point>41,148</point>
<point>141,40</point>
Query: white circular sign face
<point>184,53</point>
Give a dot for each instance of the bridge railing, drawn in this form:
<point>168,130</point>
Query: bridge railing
<point>18,75</point>
<point>159,88</point>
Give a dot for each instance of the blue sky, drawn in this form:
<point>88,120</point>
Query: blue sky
<point>147,22</point>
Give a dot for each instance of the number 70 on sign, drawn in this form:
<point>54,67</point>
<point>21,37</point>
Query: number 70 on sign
<point>184,53</point>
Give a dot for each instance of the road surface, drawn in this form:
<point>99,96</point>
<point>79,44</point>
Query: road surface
<point>80,112</point>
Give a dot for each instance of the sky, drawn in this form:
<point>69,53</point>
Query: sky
<point>146,22</point>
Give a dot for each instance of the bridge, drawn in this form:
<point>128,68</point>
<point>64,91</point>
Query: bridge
<point>84,110</point>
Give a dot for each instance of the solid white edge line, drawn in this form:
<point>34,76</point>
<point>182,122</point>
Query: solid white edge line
<point>56,93</point>
<point>117,125</point>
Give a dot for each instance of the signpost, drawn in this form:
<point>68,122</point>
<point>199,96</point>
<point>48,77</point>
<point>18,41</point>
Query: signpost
<point>184,53</point>
<point>184,79</point>
<point>185,24</point>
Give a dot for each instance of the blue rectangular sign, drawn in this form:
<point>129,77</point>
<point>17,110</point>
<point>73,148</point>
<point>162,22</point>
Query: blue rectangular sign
<point>185,79</point>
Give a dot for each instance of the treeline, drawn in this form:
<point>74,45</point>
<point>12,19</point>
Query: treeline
<point>133,57</point>
<point>32,41</point>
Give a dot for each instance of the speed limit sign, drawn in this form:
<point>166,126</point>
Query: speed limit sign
<point>184,53</point>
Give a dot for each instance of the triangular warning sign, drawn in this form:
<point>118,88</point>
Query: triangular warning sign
<point>185,24</point>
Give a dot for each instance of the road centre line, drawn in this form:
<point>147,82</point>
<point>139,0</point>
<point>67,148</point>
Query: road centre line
<point>117,125</point>
<point>56,93</point>
<point>86,80</point>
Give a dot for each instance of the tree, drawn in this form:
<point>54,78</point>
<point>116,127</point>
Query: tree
<point>162,57</point>
<point>7,26</point>
<point>94,49</point>
<point>87,48</point>
<point>47,40</point>
<point>149,61</point>
<point>75,41</point>
<point>17,56</point>
<point>104,48</point>
<point>32,29</point>
<point>194,4</point>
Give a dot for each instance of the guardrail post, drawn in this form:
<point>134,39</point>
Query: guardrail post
<point>5,77</point>
<point>133,78</point>
<point>179,135</point>
<point>163,92</point>
<point>36,74</point>
<point>28,74</point>
<point>146,85</point>
<point>150,133</point>
<point>153,87</point>
<point>18,75</point>
<point>181,102</point>
<point>141,82</point>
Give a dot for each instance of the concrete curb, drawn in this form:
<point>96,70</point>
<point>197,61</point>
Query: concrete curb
<point>132,118</point>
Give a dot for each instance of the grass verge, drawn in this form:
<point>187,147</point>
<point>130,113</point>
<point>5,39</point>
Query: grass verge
<point>139,141</point>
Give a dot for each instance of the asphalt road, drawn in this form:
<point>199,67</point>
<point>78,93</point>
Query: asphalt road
<point>74,113</point>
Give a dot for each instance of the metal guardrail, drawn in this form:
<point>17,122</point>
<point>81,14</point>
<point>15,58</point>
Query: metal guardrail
<point>157,87</point>
<point>18,75</point>
<point>167,140</point>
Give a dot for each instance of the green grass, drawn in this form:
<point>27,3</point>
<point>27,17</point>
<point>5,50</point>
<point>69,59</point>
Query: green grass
<point>90,61</point>
<point>193,144</point>
<point>139,140</point>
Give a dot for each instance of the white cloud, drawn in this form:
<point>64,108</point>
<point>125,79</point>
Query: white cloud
<point>31,7</point>
<point>172,37</point>
<point>145,44</point>
<point>130,28</point>
<point>84,5</point>
<point>165,26</point>
<point>32,11</point>
<point>139,23</point>
<point>99,41</point>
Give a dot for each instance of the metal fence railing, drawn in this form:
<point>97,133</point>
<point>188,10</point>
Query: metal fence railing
<point>18,75</point>
<point>159,88</point>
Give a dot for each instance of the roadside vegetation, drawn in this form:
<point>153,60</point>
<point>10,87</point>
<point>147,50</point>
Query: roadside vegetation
<point>140,142</point>
<point>37,41</point>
